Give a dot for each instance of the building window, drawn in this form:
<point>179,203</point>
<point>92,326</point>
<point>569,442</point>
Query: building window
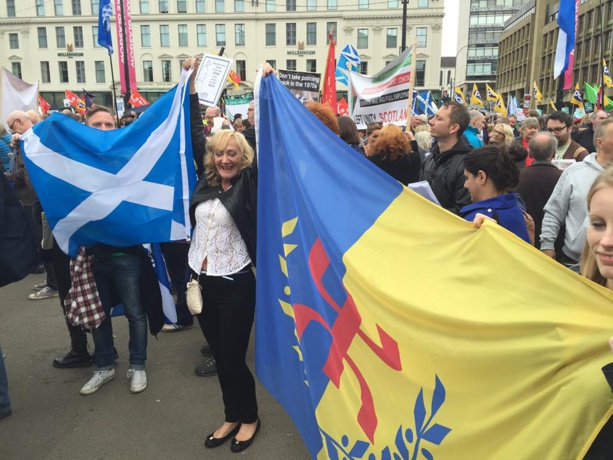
<point>80,66</point>
<point>95,7</point>
<point>63,71</point>
<point>271,35</point>
<point>14,41</point>
<point>95,36</point>
<point>201,34</point>
<point>363,4</point>
<point>270,6</point>
<point>199,6</point>
<point>272,62</point>
<point>362,38</point>
<point>40,7</point>
<point>163,5</point>
<point>241,69</point>
<point>181,6</point>
<point>45,72</point>
<point>311,5</point>
<point>422,37</point>
<point>42,37</point>
<point>148,71</point>
<point>392,3</point>
<point>332,4</point>
<point>165,36</point>
<point>290,64</point>
<point>420,73</point>
<point>145,36</point>
<point>58,7</point>
<point>290,5</point>
<point>100,75</point>
<point>78,36</point>
<point>239,6</point>
<point>144,6</point>
<point>166,71</point>
<point>220,34</point>
<point>290,34</point>
<point>60,37</point>
<point>311,65</point>
<point>239,34</point>
<point>363,68</point>
<point>10,8</point>
<point>16,69</point>
<point>392,38</point>
<point>76,7</point>
<point>220,6</point>
<point>311,33</point>
<point>424,3</point>
<point>182,34</point>
<point>330,29</point>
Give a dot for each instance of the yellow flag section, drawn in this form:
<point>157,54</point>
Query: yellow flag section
<point>501,347</point>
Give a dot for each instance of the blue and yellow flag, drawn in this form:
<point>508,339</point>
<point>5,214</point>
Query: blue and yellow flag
<point>390,328</point>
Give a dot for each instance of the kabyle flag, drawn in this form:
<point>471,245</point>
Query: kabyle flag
<point>384,96</point>
<point>390,328</point>
<point>122,187</point>
<point>347,61</point>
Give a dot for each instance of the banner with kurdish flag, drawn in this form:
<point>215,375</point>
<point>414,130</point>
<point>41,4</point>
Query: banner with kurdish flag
<point>384,96</point>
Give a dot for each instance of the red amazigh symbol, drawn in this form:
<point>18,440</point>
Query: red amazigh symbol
<point>343,331</point>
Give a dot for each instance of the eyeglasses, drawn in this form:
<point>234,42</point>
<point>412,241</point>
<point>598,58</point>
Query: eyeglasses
<point>557,130</point>
<point>498,132</point>
<point>249,110</point>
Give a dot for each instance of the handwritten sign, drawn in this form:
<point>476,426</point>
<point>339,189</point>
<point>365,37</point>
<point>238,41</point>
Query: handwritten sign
<point>211,78</point>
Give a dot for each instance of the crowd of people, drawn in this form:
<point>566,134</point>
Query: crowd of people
<point>478,167</point>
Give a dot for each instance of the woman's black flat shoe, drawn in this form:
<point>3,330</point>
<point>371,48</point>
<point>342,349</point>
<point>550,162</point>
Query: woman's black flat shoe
<point>239,446</point>
<point>212,442</point>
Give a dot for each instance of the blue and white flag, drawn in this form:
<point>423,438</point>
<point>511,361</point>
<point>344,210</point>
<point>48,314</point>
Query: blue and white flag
<point>122,187</point>
<point>426,103</point>
<point>566,36</point>
<point>348,60</point>
<point>159,264</point>
<point>512,107</point>
<point>104,25</point>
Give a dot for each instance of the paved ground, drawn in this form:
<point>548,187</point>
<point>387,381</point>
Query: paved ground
<point>169,420</point>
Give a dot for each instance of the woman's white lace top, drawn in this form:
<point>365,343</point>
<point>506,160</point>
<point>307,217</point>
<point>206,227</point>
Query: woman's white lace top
<point>216,238</point>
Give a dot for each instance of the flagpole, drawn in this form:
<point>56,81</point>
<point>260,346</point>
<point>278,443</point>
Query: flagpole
<point>114,92</point>
<point>411,85</point>
<point>601,63</point>
<point>350,94</point>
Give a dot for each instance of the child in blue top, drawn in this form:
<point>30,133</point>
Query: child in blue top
<point>490,174</point>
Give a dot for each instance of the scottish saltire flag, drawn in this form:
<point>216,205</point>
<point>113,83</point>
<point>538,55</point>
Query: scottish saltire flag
<point>389,328</point>
<point>105,38</point>
<point>122,187</point>
<point>159,265</point>
<point>347,61</point>
<point>426,103</point>
<point>566,36</point>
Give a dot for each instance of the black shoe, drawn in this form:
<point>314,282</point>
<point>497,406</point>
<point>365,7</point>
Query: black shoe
<point>206,351</point>
<point>212,442</point>
<point>73,359</point>
<point>239,446</point>
<point>9,412</point>
<point>38,270</point>
<point>207,369</point>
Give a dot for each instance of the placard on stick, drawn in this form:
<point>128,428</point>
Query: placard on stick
<point>211,78</point>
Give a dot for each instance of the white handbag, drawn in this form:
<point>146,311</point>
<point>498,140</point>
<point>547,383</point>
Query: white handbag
<point>193,296</point>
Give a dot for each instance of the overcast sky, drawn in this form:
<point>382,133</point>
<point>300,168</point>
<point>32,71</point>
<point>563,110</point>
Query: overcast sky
<point>450,28</point>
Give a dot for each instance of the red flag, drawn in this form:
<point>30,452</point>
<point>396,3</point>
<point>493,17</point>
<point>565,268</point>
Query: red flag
<point>342,107</point>
<point>44,105</point>
<point>75,101</point>
<point>234,78</point>
<point>137,100</point>
<point>329,92</point>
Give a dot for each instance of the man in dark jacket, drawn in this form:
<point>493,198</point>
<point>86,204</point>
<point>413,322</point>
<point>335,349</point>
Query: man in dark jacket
<point>537,181</point>
<point>585,137</point>
<point>444,167</point>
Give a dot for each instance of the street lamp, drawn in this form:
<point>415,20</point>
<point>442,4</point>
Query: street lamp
<point>455,65</point>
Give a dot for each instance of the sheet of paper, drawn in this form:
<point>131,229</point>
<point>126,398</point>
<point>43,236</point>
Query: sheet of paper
<point>423,188</point>
<point>211,78</point>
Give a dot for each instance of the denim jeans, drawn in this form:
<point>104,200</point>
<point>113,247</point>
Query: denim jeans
<point>5,402</point>
<point>123,274</point>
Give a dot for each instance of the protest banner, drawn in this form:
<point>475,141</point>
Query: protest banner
<point>303,85</point>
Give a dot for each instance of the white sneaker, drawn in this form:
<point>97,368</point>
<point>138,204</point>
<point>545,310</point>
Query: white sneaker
<point>44,293</point>
<point>138,380</point>
<point>99,379</point>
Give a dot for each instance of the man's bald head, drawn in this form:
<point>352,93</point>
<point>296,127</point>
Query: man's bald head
<point>34,116</point>
<point>18,122</point>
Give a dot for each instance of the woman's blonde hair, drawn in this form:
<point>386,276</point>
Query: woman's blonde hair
<point>589,267</point>
<point>219,141</point>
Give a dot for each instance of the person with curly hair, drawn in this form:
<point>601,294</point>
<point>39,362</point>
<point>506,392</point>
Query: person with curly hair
<point>325,114</point>
<point>490,174</point>
<point>395,155</point>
